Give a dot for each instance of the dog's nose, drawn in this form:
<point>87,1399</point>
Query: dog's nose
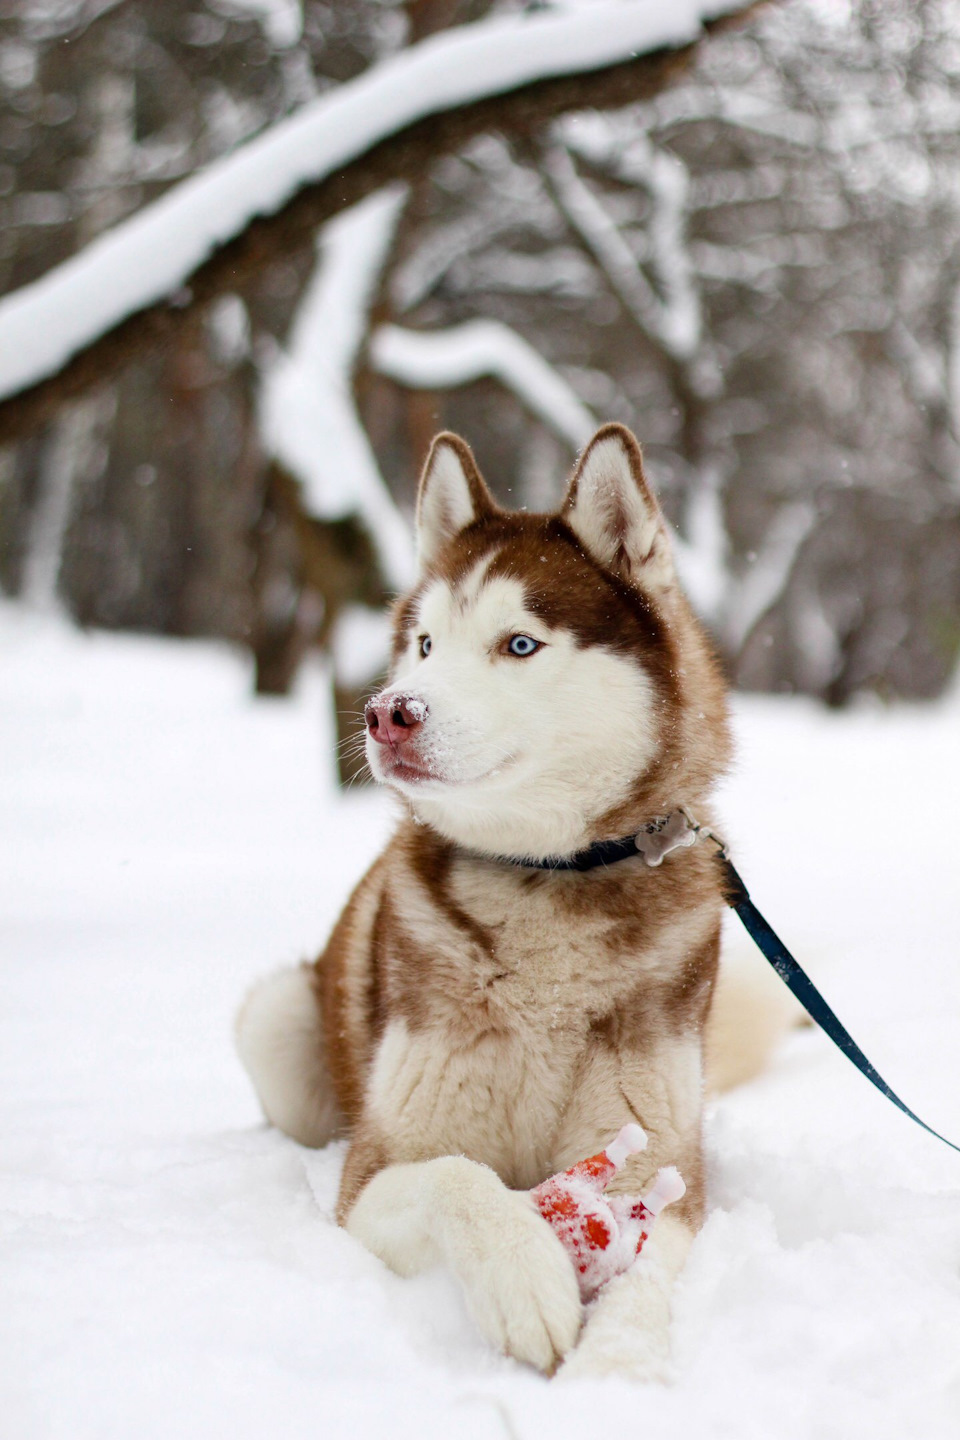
<point>394,719</point>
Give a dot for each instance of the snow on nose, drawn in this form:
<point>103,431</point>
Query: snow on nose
<point>394,719</point>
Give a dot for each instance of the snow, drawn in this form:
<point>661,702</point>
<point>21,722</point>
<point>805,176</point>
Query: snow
<point>70,438</point>
<point>307,413</point>
<point>282,20</point>
<point>171,1267</point>
<point>151,255</point>
<point>671,313</point>
<point>674,319</point>
<point>438,360</point>
<point>361,645</point>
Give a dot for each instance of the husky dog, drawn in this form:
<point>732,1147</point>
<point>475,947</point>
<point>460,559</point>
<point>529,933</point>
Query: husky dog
<point>476,1024</point>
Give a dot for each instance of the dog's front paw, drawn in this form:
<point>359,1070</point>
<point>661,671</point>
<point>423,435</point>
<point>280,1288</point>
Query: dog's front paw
<point>628,1356</point>
<point>517,1279</point>
<point>627,1331</point>
<point>520,1286</point>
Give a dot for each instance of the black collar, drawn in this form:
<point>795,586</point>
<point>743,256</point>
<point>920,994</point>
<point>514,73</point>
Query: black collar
<point>603,852</point>
<point>655,840</point>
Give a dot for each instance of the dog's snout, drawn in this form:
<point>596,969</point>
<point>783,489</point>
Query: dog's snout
<point>394,719</point>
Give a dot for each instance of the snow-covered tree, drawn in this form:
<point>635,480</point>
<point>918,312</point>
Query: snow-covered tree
<point>757,269</point>
<point>189,460</point>
<point>755,265</point>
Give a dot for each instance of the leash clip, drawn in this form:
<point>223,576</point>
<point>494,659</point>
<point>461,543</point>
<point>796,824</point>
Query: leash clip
<point>705,833</point>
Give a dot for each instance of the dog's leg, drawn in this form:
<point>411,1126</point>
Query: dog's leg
<point>628,1330</point>
<point>516,1276</point>
<point>279,1036</point>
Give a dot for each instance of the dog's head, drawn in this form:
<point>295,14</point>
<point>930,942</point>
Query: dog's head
<point>549,684</point>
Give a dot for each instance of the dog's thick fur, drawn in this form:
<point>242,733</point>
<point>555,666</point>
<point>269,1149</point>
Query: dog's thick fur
<point>475,1025</point>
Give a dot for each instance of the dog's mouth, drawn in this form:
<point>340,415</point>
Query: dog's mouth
<point>400,765</point>
<point>403,768</point>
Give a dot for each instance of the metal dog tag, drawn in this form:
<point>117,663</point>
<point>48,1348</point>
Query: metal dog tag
<point>666,833</point>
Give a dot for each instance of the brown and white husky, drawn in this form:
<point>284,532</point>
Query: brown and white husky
<point>476,1024</point>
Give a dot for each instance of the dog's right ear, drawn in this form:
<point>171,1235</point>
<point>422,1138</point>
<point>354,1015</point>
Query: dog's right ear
<point>613,512</point>
<point>452,496</point>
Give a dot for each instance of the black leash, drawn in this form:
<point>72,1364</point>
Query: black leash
<point>798,981</point>
<point>679,829</point>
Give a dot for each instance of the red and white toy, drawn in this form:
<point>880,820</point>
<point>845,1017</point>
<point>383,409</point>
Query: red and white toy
<point>604,1236</point>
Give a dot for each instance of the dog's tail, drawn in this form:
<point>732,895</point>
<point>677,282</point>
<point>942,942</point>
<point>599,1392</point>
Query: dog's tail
<point>279,1035</point>
<point>752,1011</point>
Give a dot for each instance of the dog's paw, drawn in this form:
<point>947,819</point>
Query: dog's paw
<point>517,1279</point>
<point>628,1328</point>
<point>522,1290</point>
<point>628,1356</point>
<point>627,1331</point>
<point>518,1282</point>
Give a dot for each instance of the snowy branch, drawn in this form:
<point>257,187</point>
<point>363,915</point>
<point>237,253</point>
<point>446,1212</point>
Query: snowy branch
<point>672,317</point>
<point>308,418</point>
<point>422,360</point>
<point>207,234</point>
<point>590,220</point>
<point>673,309</point>
<point>755,592</point>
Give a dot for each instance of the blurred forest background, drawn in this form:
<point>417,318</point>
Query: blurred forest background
<point>757,268</point>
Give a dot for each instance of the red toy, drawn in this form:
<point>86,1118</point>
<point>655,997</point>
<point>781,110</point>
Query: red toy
<point>604,1236</point>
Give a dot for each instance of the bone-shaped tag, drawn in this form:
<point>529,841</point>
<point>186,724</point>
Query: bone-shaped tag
<point>666,833</point>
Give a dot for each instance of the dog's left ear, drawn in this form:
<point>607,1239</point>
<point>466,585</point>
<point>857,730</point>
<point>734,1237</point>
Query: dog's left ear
<point>452,496</point>
<point>612,510</point>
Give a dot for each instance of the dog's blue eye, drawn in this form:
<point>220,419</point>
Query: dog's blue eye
<point>425,643</point>
<point>522,645</point>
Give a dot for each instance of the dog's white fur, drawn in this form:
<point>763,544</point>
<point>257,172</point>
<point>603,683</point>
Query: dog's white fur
<point>517,1278</point>
<point>280,1041</point>
<point>506,739</point>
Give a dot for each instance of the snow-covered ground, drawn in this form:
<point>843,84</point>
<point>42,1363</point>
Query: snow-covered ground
<point>171,1267</point>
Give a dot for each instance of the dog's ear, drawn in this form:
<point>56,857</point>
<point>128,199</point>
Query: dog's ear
<point>452,496</point>
<point>613,512</point>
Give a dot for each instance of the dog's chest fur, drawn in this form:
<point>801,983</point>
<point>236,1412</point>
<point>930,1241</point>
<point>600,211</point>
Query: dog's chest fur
<point>497,990</point>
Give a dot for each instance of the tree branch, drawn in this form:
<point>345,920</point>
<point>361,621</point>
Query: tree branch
<point>236,265</point>
<point>444,359</point>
